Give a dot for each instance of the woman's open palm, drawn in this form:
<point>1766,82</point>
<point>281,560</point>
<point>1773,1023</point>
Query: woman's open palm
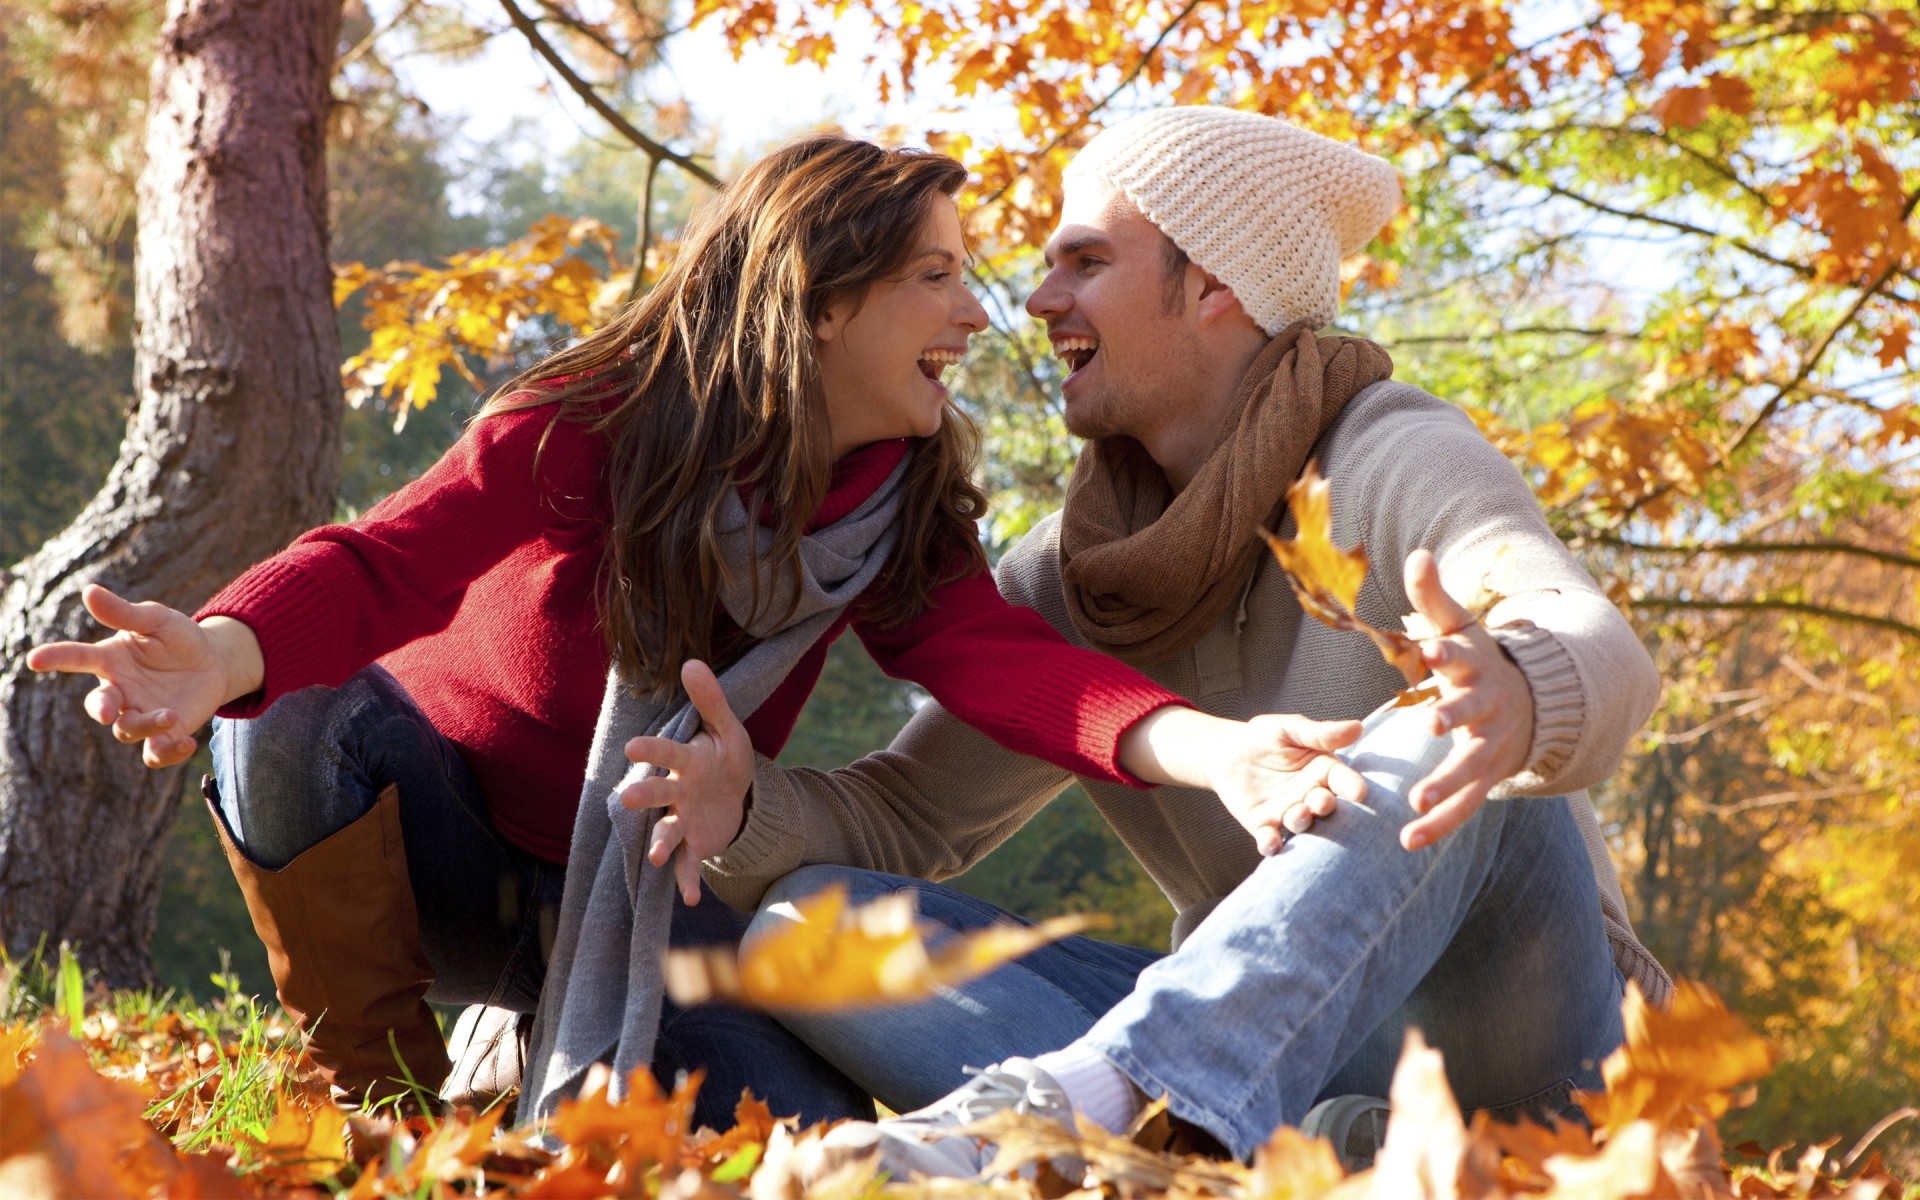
<point>161,675</point>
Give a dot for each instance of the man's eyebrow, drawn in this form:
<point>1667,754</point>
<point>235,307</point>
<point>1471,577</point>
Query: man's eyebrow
<point>1077,245</point>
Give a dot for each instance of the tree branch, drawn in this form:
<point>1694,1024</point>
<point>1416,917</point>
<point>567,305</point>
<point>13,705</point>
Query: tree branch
<point>1126,82</point>
<point>1748,549</point>
<point>581,88</point>
<point>1673,603</point>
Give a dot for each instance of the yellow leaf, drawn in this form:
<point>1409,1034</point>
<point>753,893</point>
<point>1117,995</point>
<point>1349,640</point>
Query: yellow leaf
<point>304,1145</point>
<point>1311,557</point>
<point>833,956</point>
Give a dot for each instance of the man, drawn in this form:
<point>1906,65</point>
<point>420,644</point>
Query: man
<point>1197,252</point>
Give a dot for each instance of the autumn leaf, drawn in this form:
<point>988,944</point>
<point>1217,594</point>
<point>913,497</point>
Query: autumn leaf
<point>64,1125</point>
<point>303,1145</point>
<point>1677,1067</point>
<point>1327,579</point>
<point>833,956</point>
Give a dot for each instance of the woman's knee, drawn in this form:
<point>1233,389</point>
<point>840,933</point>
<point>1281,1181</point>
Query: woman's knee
<point>285,779</point>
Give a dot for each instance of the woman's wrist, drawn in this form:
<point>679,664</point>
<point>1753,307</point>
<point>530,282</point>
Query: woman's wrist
<point>236,650</point>
<point>1176,745</point>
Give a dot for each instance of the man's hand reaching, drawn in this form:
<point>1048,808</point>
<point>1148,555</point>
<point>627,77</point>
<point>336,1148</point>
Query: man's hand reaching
<point>705,788</point>
<point>1485,703</point>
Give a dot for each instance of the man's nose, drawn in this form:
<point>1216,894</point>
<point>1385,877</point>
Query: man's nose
<point>1049,301</point>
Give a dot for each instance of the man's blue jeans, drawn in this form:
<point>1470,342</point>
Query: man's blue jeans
<point>1301,983</point>
<point>315,762</point>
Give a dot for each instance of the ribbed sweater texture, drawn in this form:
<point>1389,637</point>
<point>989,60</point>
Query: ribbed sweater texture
<point>474,585</point>
<point>1406,470</point>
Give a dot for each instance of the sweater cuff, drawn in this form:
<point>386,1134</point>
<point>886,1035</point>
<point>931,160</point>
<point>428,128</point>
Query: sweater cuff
<point>770,845</point>
<point>289,618</point>
<point>1559,703</point>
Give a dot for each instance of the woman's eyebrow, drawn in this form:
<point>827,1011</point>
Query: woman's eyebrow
<point>940,252</point>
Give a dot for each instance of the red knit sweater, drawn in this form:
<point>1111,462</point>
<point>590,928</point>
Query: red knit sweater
<point>474,586</point>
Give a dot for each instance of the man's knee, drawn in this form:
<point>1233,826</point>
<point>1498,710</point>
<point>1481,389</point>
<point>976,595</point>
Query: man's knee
<point>780,907</point>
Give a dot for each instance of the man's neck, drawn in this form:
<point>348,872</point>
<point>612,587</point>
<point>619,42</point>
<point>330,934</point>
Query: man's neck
<point>1183,440</point>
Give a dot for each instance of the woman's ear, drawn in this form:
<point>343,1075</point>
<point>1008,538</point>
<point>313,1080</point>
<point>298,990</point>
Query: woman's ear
<point>830,322</point>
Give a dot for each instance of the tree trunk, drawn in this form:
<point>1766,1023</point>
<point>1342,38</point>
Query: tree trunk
<point>232,448</point>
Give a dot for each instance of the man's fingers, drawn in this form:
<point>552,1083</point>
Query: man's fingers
<point>75,657</point>
<point>1322,802</point>
<point>686,869</point>
<point>1465,766</point>
<point>660,752</point>
<point>709,699</point>
<point>1463,710</point>
<point>1445,817</point>
<point>1431,600</point>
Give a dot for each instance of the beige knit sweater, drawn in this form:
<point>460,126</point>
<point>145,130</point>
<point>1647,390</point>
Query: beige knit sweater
<point>1406,470</point>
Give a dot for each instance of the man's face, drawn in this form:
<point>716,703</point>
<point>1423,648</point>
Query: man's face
<point>1105,302</point>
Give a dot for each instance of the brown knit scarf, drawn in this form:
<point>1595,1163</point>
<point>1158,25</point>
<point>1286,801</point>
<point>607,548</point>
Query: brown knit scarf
<point>1146,572</point>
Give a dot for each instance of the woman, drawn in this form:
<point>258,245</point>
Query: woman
<point>409,702</point>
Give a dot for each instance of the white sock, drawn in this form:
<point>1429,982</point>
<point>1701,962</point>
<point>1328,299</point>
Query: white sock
<point>1097,1089</point>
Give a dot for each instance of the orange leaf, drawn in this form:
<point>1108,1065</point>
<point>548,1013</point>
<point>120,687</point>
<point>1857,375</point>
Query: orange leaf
<point>1893,344</point>
<point>1683,107</point>
<point>66,1131</point>
<point>1677,1067</point>
<point>834,957</point>
<point>304,1145</point>
<point>1311,557</point>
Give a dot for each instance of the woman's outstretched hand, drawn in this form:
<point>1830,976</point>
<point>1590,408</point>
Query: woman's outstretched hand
<point>705,788</point>
<point>1276,774</point>
<point>162,674</point>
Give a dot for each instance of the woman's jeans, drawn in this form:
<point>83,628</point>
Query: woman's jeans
<point>1301,983</point>
<point>314,763</point>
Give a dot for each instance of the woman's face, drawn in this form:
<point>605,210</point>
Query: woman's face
<point>881,356</point>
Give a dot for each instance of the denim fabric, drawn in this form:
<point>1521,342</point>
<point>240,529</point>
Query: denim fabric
<point>316,761</point>
<point>911,1055</point>
<point>1302,982</point>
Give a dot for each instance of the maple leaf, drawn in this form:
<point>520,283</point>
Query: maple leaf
<point>1893,344</point>
<point>1327,579</point>
<point>65,1130</point>
<point>303,1145</point>
<point>1677,1067</point>
<point>834,956</point>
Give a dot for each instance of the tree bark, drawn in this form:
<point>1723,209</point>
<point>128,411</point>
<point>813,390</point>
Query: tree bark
<point>232,448</point>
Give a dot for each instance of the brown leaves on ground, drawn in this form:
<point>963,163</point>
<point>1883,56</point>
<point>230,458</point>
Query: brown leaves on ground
<point>837,956</point>
<point>67,1130</point>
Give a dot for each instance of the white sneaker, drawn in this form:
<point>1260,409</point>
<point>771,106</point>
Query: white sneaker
<point>923,1142</point>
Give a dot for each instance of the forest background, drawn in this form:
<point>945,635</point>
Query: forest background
<point>1664,252</point>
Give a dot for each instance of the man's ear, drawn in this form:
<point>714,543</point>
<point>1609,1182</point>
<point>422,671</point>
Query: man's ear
<point>1217,301</point>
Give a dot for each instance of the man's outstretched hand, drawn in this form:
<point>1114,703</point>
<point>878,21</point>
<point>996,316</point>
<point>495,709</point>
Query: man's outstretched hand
<point>162,674</point>
<point>705,788</point>
<point>1485,703</point>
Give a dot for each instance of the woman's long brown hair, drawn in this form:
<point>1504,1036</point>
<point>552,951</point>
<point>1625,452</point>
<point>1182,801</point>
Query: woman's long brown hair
<point>709,382</point>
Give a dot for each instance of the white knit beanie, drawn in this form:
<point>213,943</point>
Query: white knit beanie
<point>1267,208</point>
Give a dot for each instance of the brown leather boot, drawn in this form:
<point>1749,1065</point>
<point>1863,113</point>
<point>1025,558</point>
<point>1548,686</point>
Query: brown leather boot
<point>343,941</point>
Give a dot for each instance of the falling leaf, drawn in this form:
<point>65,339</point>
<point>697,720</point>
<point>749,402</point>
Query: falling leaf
<point>1427,1152</point>
<point>1327,579</point>
<point>1293,1166</point>
<point>833,956</point>
<point>1676,1067</point>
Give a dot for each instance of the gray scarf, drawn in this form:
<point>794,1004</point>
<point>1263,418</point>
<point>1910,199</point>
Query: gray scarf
<point>604,982</point>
